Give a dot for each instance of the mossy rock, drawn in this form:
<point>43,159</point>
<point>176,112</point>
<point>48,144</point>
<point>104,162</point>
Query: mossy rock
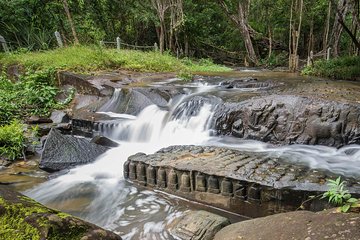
<point>22,218</point>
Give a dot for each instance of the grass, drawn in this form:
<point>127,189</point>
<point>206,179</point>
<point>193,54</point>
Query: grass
<point>93,58</point>
<point>343,68</point>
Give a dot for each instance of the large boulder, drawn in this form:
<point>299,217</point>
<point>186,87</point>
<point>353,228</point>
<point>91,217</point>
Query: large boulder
<point>289,120</point>
<point>296,225</point>
<point>65,151</point>
<point>22,218</point>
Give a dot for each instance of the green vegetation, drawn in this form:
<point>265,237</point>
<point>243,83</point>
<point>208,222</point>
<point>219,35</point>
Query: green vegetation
<point>178,26</point>
<point>93,58</point>
<point>12,140</point>
<point>339,196</point>
<point>33,94</point>
<point>26,219</point>
<point>344,68</point>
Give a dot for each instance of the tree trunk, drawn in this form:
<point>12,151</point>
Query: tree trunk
<point>295,28</point>
<point>337,27</point>
<point>239,17</point>
<point>68,14</point>
<point>326,30</point>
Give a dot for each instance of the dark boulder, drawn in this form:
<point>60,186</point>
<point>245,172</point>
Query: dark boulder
<point>22,218</point>
<point>64,151</point>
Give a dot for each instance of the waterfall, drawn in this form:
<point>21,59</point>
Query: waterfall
<point>98,190</point>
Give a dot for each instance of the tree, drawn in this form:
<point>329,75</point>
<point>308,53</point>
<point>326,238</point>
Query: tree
<point>238,12</point>
<point>161,6</point>
<point>296,14</point>
<point>68,15</point>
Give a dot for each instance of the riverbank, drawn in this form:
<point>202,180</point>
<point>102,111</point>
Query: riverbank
<point>342,68</point>
<point>28,80</point>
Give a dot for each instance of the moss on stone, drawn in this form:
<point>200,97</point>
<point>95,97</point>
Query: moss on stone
<point>22,221</point>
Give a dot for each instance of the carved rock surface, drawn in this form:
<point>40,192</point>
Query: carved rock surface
<point>198,225</point>
<point>252,184</point>
<point>22,218</point>
<point>296,225</point>
<point>64,151</point>
<point>290,119</point>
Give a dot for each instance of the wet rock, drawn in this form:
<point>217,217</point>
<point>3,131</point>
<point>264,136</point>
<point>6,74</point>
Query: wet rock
<point>247,82</point>
<point>104,141</point>
<point>192,106</point>
<point>296,225</point>
<point>24,218</point>
<point>251,184</point>
<point>59,117</point>
<point>198,225</point>
<point>289,120</point>
<point>82,84</point>
<point>134,100</point>
<point>38,120</point>
<point>64,151</point>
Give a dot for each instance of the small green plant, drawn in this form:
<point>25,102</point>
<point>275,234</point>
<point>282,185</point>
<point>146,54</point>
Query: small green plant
<point>339,196</point>
<point>12,140</point>
<point>185,75</point>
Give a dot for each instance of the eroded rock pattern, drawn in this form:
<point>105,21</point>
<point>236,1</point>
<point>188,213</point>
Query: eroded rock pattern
<point>252,184</point>
<point>289,120</point>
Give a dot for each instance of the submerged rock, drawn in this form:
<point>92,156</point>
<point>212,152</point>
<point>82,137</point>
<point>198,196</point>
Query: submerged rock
<point>22,218</point>
<point>296,225</point>
<point>65,151</point>
<point>251,184</point>
<point>198,225</point>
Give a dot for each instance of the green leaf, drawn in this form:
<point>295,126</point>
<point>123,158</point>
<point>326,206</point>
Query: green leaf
<point>345,208</point>
<point>352,200</point>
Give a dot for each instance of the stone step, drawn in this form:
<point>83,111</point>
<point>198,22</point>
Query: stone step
<point>251,184</point>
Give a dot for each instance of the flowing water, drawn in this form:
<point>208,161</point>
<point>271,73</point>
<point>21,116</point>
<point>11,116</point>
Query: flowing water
<point>98,193</point>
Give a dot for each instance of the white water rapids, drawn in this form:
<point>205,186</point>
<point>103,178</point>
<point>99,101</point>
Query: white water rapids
<point>98,193</point>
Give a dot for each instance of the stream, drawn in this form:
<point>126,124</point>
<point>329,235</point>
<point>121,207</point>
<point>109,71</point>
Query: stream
<point>98,193</point>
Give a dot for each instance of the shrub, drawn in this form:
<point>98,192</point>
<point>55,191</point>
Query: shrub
<point>345,68</point>
<point>12,140</point>
<point>339,196</point>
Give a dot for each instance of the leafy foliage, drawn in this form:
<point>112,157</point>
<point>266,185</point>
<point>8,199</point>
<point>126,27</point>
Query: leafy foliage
<point>92,58</point>
<point>33,94</point>
<point>12,140</point>
<point>345,68</point>
<point>339,196</point>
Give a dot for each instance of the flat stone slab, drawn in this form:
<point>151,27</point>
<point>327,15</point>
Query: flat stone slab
<point>198,225</point>
<point>296,225</point>
<point>252,184</point>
